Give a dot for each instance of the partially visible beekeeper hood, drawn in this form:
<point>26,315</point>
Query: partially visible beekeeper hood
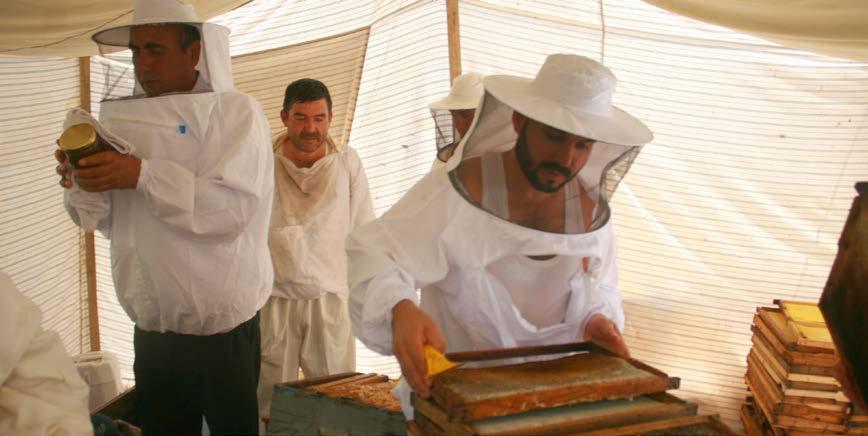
<point>567,138</point>
<point>466,93</point>
<point>214,66</point>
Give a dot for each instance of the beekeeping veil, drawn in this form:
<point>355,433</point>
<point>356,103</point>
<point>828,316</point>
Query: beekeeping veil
<point>465,94</point>
<point>569,142</point>
<point>214,66</point>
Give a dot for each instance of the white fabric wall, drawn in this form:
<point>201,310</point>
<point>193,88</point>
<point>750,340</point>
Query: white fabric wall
<point>116,329</point>
<point>39,246</point>
<point>741,197</point>
<point>266,24</point>
<point>406,68</point>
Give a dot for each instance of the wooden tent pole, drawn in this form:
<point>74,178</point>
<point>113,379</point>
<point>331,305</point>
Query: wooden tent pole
<point>89,247</point>
<point>453,30</point>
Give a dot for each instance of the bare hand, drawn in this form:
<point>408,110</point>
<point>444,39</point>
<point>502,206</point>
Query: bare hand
<point>108,170</point>
<point>603,332</point>
<point>412,328</point>
<point>62,169</point>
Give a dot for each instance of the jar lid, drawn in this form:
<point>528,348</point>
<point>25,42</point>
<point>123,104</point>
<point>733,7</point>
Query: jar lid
<point>77,136</point>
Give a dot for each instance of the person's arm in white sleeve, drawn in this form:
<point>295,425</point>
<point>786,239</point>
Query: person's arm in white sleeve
<point>389,258</point>
<point>361,205</point>
<point>221,198</point>
<point>89,210</point>
<point>41,392</point>
<point>392,256</point>
<point>604,322</point>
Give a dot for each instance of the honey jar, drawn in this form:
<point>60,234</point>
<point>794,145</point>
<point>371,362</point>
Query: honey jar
<point>80,140</point>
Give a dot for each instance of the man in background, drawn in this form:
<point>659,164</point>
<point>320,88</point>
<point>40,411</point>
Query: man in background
<point>454,113</point>
<point>321,195</point>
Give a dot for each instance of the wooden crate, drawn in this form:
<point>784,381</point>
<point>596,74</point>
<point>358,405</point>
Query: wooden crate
<point>581,417</point>
<point>686,426</point>
<point>349,403</point>
<point>844,302</point>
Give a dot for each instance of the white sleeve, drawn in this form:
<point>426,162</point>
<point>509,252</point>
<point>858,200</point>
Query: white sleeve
<point>41,392</point>
<point>222,197</point>
<point>606,296</point>
<point>89,210</point>
<point>392,256</point>
<point>361,205</point>
<point>16,318</point>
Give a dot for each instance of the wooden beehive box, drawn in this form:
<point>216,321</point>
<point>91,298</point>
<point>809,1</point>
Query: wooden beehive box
<point>580,417</point>
<point>844,302</point>
<point>592,392</point>
<point>349,403</point>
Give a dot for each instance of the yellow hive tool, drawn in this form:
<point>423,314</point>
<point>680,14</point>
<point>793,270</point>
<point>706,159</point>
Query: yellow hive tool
<point>437,362</point>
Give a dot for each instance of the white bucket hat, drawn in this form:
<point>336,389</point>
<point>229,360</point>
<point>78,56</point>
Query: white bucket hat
<point>574,94</point>
<point>467,90</point>
<point>214,65</point>
<point>150,12</point>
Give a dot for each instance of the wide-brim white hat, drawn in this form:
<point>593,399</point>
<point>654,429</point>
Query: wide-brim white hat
<point>467,90</point>
<point>149,12</point>
<point>574,94</point>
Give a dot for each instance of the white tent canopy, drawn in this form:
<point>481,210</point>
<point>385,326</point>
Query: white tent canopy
<point>739,200</point>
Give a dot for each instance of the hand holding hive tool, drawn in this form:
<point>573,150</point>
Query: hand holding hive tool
<point>438,362</point>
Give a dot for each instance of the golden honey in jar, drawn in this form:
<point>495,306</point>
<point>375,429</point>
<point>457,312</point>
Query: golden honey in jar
<point>80,140</point>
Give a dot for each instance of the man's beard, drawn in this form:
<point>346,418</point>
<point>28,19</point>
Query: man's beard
<point>522,155</point>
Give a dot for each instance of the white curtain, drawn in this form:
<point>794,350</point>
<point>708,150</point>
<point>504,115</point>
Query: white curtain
<point>39,245</point>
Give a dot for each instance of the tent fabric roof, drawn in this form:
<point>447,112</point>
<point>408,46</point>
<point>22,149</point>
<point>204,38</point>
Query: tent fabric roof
<point>43,28</point>
<point>831,27</point>
<point>835,28</point>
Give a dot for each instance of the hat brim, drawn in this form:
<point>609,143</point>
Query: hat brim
<point>618,128</point>
<point>452,102</point>
<point>120,36</point>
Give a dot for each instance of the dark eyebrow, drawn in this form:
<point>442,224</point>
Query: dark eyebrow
<point>149,46</point>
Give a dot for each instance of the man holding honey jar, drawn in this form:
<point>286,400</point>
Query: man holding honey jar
<point>187,211</point>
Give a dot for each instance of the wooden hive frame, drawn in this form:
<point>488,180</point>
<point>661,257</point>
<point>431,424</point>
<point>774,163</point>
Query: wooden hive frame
<point>468,394</point>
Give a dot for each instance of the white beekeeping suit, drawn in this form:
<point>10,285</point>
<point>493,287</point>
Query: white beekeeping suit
<point>41,392</point>
<point>493,277</point>
<point>204,193</point>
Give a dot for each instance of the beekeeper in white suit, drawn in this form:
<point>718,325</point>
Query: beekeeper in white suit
<point>516,237</point>
<point>188,214</point>
<point>454,114</point>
